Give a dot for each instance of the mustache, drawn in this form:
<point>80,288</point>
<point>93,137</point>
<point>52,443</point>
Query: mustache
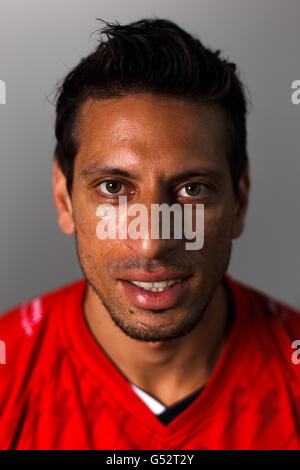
<point>120,266</point>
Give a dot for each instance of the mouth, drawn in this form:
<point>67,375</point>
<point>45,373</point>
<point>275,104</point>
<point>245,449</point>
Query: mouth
<point>158,286</point>
<point>156,295</point>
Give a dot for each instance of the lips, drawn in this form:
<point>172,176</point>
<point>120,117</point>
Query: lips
<point>153,277</point>
<point>156,294</point>
<point>157,286</point>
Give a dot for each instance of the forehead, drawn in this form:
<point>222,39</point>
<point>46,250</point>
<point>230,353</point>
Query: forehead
<point>150,130</point>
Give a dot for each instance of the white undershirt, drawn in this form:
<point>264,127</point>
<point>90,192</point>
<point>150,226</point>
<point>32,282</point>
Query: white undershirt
<point>155,406</point>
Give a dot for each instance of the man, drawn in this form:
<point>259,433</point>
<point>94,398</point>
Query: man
<point>156,347</point>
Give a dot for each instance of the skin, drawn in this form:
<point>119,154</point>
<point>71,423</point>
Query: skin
<point>172,353</point>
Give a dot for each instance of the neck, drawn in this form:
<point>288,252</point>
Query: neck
<point>167,370</point>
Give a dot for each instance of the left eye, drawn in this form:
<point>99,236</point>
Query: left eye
<point>193,189</point>
<point>111,187</point>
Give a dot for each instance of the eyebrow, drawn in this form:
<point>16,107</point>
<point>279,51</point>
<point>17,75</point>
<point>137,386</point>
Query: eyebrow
<point>208,172</point>
<point>102,169</point>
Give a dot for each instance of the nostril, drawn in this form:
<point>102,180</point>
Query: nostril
<point>152,248</point>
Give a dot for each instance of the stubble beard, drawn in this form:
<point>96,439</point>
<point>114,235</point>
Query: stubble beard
<point>124,319</point>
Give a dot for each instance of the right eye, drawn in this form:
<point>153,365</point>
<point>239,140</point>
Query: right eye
<point>111,187</point>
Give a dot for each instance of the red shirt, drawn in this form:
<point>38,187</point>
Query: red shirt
<point>59,390</point>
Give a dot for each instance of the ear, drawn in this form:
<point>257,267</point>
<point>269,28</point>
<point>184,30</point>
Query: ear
<point>241,205</point>
<point>62,201</point>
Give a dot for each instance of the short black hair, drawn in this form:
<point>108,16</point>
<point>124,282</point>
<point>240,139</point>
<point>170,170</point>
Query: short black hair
<point>154,56</point>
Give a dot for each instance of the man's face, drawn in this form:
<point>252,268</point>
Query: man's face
<point>153,150</point>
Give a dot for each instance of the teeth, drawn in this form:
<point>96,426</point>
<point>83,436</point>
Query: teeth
<point>156,286</point>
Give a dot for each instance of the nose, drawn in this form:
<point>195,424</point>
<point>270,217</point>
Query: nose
<point>152,243</point>
<point>152,249</point>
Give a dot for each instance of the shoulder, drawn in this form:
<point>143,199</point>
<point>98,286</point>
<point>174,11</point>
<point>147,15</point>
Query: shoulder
<point>275,324</point>
<point>25,319</point>
<point>23,331</point>
<point>267,306</point>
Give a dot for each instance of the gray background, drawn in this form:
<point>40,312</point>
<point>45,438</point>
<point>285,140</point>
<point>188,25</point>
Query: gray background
<point>41,40</point>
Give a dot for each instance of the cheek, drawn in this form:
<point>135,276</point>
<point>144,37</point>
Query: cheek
<point>91,250</point>
<point>217,231</point>
<point>94,253</point>
<point>86,231</point>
